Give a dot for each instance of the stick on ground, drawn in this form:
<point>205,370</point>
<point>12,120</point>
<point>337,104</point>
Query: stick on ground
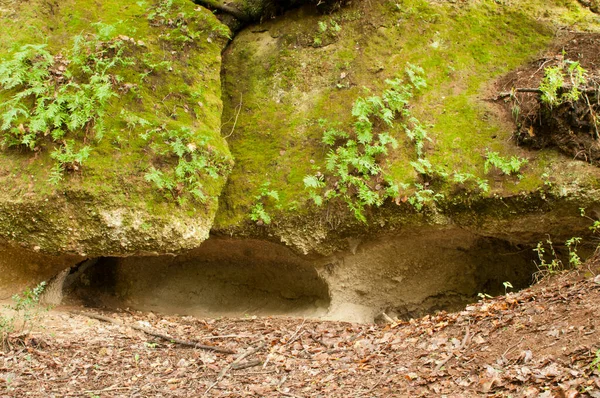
<point>155,334</point>
<point>235,363</point>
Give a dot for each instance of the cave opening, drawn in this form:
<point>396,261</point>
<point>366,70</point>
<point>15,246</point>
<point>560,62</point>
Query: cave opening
<point>221,278</point>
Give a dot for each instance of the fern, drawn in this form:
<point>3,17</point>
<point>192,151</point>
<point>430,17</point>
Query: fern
<point>354,159</point>
<point>58,96</point>
<point>191,156</point>
<point>505,165</point>
<point>258,212</point>
<point>554,81</point>
<point>67,159</point>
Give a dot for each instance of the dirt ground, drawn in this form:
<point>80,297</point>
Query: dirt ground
<point>572,127</point>
<point>540,342</point>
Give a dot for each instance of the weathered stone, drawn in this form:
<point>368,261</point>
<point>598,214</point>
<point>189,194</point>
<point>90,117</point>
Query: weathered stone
<point>169,95</point>
<point>21,268</point>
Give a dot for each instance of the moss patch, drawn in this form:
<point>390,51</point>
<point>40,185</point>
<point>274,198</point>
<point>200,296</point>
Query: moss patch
<point>282,77</point>
<point>173,85</point>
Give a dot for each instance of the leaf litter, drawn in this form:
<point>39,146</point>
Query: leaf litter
<point>539,342</point>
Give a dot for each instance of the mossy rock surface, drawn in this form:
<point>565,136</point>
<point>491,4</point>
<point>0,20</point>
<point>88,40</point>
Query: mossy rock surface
<point>108,206</point>
<point>284,76</point>
<point>260,10</point>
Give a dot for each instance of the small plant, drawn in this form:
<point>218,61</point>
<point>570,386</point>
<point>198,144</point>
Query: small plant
<point>323,26</point>
<point>353,163</point>
<point>552,267</point>
<point>423,166</point>
<point>193,158</point>
<point>595,365</point>
<point>505,165</point>
<point>423,196</point>
<point>554,90</point>
<point>67,159</point>
<point>25,313</point>
<point>258,212</point>
<point>595,227</point>
<point>507,285</point>
<point>327,31</point>
<point>574,259</point>
<point>516,111</point>
<point>555,265</point>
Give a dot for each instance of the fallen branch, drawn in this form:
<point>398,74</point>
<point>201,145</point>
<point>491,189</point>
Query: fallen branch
<point>295,335</point>
<point>155,334</point>
<point>464,343</point>
<point>247,364</point>
<point>591,90</point>
<point>215,5</point>
<point>237,361</point>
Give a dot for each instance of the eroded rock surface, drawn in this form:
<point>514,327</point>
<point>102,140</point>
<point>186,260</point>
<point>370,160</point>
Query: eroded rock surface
<point>152,160</point>
<point>21,268</point>
<point>454,227</point>
<point>405,274</point>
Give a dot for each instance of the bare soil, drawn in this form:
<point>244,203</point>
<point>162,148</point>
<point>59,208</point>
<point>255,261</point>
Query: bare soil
<point>539,342</point>
<point>572,127</point>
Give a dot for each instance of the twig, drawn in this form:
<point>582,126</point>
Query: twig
<point>376,384</point>
<point>387,318</point>
<point>445,361</point>
<point>225,336</point>
<point>465,341</point>
<point>542,66</point>
<point>111,388</point>
<point>538,91</point>
<point>295,335</point>
<point>279,390</point>
<point>236,116</point>
<point>511,347</point>
<point>260,372</point>
<point>312,336</point>
<point>227,368</point>
<point>287,394</point>
<point>247,364</point>
<point>593,115</point>
<point>153,333</point>
<point>269,357</point>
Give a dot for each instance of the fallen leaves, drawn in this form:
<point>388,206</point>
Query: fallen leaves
<point>536,343</point>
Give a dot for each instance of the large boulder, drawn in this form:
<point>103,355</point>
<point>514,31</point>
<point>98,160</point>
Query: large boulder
<point>297,88</point>
<point>110,119</point>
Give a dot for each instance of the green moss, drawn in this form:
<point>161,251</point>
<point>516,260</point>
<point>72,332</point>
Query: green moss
<point>278,85</point>
<point>184,92</point>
